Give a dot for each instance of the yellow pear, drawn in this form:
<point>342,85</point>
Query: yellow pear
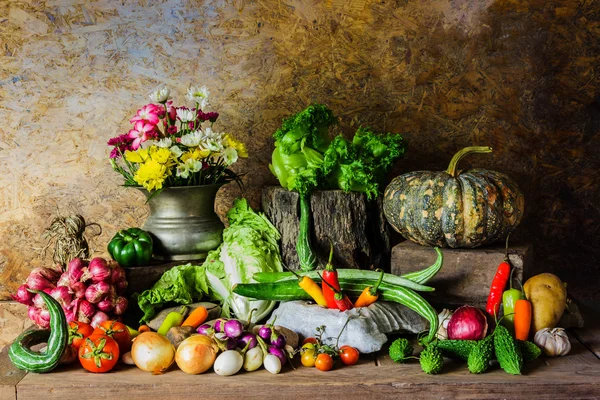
<point>548,297</point>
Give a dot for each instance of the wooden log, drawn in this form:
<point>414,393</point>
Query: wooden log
<point>356,227</point>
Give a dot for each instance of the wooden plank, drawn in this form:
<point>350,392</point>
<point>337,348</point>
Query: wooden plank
<point>577,374</point>
<point>9,377</point>
<point>590,334</point>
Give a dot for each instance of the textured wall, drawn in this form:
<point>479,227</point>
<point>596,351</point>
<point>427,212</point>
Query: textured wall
<point>519,75</point>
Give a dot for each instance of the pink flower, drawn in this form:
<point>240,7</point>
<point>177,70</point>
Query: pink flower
<point>210,116</point>
<point>149,113</point>
<point>172,130</point>
<point>141,132</point>
<point>121,144</point>
<point>171,111</point>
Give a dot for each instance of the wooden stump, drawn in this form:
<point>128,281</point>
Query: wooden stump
<point>356,227</point>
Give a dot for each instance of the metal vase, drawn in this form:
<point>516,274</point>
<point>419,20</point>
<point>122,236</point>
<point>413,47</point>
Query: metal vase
<point>183,223</point>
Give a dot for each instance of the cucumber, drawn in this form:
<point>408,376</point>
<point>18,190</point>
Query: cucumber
<point>306,254</point>
<point>25,359</point>
<point>289,290</point>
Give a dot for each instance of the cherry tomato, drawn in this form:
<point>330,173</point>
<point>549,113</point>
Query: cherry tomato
<point>348,355</point>
<point>308,358</point>
<point>98,353</point>
<point>324,362</point>
<point>78,331</point>
<point>118,331</point>
<point>308,346</point>
<point>310,340</point>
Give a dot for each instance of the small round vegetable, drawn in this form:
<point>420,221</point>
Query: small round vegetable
<point>233,328</point>
<point>349,355</point>
<point>278,340</point>
<point>310,340</point>
<point>324,362</point>
<point>246,338</point>
<point>78,331</point>
<point>196,354</point>
<point>152,352</point>
<point>265,333</point>
<point>99,353</point>
<point>467,323</point>
<point>308,346</point>
<point>308,358</point>
<point>279,353</point>
<point>205,329</point>
<point>126,358</point>
<point>116,330</point>
<point>253,359</point>
<point>219,325</point>
<point>553,341</point>
<point>272,363</point>
<point>228,363</point>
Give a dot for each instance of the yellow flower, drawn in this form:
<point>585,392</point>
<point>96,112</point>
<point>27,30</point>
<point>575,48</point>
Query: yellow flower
<point>160,155</point>
<point>138,156</point>
<point>151,175</point>
<point>240,147</point>
<point>196,154</point>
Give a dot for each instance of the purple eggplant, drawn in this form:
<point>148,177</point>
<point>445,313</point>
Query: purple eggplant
<point>265,333</point>
<point>246,338</point>
<point>220,324</point>
<point>279,353</point>
<point>278,340</point>
<point>233,328</point>
<point>205,329</point>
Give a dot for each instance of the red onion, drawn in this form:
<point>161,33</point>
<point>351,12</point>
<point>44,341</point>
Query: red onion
<point>75,270</point>
<point>63,280</point>
<point>118,274</point>
<point>70,315</point>
<point>78,289</point>
<point>62,295</point>
<point>120,305</point>
<point>23,295</point>
<point>98,318</point>
<point>98,271</point>
<point>37,281</point>
<point>105,305</point>
<point>97,291</point>
<point>35,314</point>
<point>38,301</point>
<point>85,311</point>
<point>467,323</point>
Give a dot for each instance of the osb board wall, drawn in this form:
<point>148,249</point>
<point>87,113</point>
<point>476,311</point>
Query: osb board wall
<point>518,75</point>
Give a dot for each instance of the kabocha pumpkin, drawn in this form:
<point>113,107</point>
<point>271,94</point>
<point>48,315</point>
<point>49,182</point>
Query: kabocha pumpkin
<point>453,208</point>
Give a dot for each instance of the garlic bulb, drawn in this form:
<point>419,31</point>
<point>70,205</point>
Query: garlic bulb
<point>444,318</point>
<point>553,341</point>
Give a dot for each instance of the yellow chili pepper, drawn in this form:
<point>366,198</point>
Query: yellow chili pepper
<point>369,295</point>
<point>312,288</point>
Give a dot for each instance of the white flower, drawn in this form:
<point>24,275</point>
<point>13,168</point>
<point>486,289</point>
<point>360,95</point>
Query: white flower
<point>190,166</point>
<point>230,155</point>
<point>185,115</point>
<point>176,151</point>
<point>192,139</point>
<point>198,95</point>
<point>160,95</point>
<point>164,142</point>
<point>213,145</point>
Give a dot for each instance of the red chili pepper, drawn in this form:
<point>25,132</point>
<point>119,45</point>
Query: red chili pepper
<point>342,301</point>
<point>330,276</point>
<point>498,285</point>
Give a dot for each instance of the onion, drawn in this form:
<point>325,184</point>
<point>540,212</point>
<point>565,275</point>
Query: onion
<point>78,289</point>
<point>121,285</point>
<point>35,314</point>
<point>467,323</point>
<point>37,281</point>
<point>23,295</point>
<point>62,296</point>
<point>196,354</point>
<point>38,302</point>
<point>85,311</point>
<point>105,305</point>
<point>233,328</point>
<point>63,280</point>
<point>75,270</point>
<point>153,352</point>
<point>98,271</point>
<point>98,318</point>
<point>97,291</point>
<point>117,275</point>
<point>121,304</point>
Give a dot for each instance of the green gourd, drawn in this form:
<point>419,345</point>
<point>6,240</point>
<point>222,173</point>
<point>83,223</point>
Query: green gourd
<point>25,359</point>
<point>507,351</point>
<point>431,359</point>
<point>481,355</point>
<point>529,350</point>
<point>457,348</point>
<point>453,208</point>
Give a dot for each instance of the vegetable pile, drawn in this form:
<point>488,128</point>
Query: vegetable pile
<point>87,292</point>
<point>305,159</point>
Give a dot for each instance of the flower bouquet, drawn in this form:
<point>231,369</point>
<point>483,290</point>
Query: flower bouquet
<point>173,146</point>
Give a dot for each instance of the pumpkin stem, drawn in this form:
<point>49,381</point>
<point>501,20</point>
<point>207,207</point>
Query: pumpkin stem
<point>461,153</point>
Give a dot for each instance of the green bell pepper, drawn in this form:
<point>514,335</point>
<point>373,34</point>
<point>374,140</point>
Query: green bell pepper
<point>131,247</point>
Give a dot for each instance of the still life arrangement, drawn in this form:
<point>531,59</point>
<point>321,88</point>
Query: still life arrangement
<point>236,306</point>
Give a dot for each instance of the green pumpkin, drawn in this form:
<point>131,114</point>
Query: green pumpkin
<point>454,208</point>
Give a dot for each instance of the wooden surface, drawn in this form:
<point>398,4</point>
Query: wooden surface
<point>355,226</point>
<point>574,376</point>
<point>521,76</point>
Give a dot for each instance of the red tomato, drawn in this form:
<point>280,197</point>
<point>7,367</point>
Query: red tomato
<point>324,362</point>
<point>78,331</point>
<point>310,340</point>
<point>118,331</point>
<point>348,355</point>
<point>98,353</point>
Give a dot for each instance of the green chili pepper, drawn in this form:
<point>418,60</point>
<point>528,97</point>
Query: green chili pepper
<point>172,319</point>
<point>131,247</point>
<point>509,299</point>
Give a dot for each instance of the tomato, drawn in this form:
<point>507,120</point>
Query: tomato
<point>310,340</point>
<point>308,358</point>
<point>99,353</point>
<point>308,346</point>
<point>117,331</point>
<point>324,362</point>
<point>78,331</point>
<point>348,355</point>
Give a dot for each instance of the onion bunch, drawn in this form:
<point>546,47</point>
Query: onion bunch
<point>88,292</point>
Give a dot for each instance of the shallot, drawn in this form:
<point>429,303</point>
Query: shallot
<point>23,295</point>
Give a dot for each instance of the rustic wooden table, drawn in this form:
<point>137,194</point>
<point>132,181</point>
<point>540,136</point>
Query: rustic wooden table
<point>574,376</point>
